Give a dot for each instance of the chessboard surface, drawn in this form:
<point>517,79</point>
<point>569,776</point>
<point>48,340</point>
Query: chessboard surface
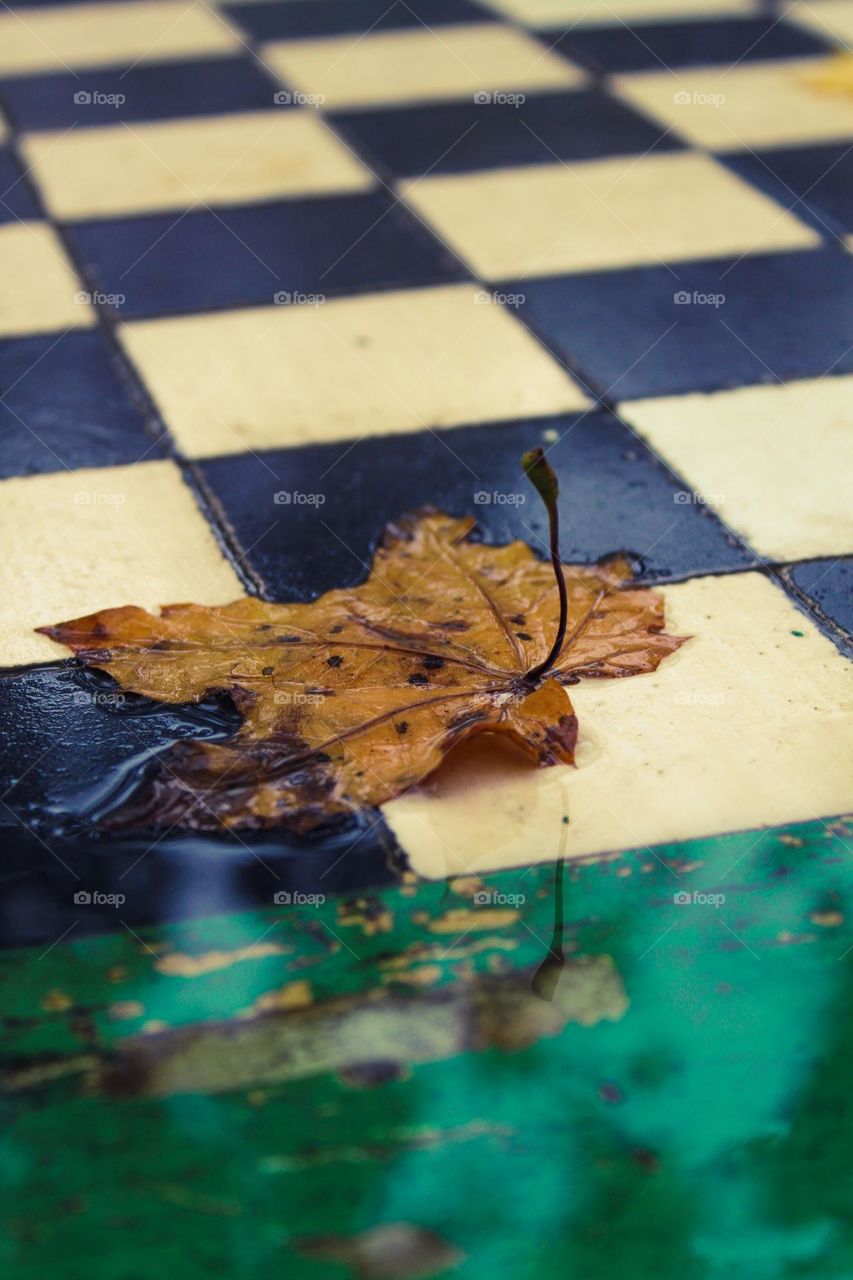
<point>278,271</point>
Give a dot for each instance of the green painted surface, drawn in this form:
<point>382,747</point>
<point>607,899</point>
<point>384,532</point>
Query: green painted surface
<point>680,1108</point>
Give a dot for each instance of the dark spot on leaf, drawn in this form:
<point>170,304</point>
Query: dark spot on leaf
<point>335,661</point>
<point>418,679</point>
<point>267,671</point>
<point>402,726</point>
<point>433,663</point>
<point>522,635</point>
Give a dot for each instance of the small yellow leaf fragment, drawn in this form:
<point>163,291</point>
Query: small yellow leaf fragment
<point>178,965</point>
<point>293,995</point>
<point>462,921</point>
<point>122,1010</point>
<point>56,1001</point>
<point>827,919</point>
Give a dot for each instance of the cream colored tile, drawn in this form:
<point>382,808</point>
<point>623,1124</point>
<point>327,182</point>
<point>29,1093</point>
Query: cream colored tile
<point>412,66</point>
<point>171,165</point>
<point>752,105</point>
<point>79,541</point>
<point>826,18</point>
<point>600,214</point>
<point>746,725</point>
<point>586,13</point>
<point>285,375</point>
<point>774,461</point>
<point>96,35</point>
<point>39,292</point>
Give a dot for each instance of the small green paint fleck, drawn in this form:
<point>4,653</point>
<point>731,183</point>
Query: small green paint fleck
<point>797,633</point>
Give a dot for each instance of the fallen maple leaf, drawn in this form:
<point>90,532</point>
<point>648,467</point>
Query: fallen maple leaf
<point>358,696</point>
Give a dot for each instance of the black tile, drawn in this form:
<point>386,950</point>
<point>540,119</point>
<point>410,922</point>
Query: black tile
<point>784,316</point>
<point>148,91</point>
<point>292,19</point>
<point>207,259</point>
<point>815,181</point>
<point>459,136</point>
<point>72,745</point>
<point>615,496</point>
<point>64,403</point>
<point>16,197</point>
<point>829,583</point>
<point>654,46</point>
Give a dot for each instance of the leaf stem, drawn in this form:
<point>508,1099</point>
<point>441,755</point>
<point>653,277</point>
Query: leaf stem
<point>541,475</point>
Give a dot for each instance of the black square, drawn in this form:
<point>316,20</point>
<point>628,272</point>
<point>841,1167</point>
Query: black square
<point>815,182</point>
<point>209,259</point>
<point>310,518</point>
<point>16,197</point>
<point>656,331</point>
<point>66,401</point>
<point>456,137</point>
<point>292,19</point>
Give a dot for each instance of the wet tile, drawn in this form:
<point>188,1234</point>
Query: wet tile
<point>830,19</point>
<point>79,36</point>
<point>685,43</point>
<point>75,739</point>
<point>601,214</point>
<point>417,66</point>
<point>179,164</point>
<point>460,136</point>
<point>829,584</point>
<point>570,13</point>
<point>771,460</point>
<point>756,105</point>
<point>292,19</point>
<point>782,316</point>
<point>147,91</point>
<point>334,500</point>
<point>162,264</point>
<point>816,182</point>
<point>64,404</point>
<point>345,368</point>
<point>40,291</point>
<point>16,198</point>
<point>82,540</point>
<point>753,666</point>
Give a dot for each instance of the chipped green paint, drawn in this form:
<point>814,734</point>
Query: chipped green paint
<point>222,1097</point>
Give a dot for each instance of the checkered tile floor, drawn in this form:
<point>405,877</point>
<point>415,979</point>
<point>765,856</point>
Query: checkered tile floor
<point>371,251</point>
